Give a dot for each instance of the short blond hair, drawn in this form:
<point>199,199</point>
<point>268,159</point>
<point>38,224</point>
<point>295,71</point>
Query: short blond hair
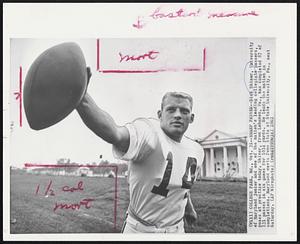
<point>177,94</point>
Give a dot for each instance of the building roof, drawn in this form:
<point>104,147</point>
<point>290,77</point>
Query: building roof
<point>219,138</point>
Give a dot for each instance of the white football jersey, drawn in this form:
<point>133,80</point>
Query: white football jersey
<point>160,172</point>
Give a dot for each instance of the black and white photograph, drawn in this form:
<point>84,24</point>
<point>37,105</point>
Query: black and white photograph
<point>132,135</point>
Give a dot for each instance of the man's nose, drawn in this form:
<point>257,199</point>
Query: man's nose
<point>177,113</point>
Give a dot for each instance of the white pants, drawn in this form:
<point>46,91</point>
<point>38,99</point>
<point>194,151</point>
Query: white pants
<point>133,226</point>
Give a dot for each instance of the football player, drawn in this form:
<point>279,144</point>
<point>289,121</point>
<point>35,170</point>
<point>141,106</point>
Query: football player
<point>162,162</point>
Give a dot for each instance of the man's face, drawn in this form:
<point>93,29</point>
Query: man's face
<point>175,117</point>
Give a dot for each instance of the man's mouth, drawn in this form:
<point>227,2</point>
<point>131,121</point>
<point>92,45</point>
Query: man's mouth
<point>177,123</point>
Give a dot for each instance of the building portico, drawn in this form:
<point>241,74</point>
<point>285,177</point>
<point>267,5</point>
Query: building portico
<point>225,155</point>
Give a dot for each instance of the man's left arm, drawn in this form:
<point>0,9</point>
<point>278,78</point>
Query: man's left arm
<point>190,213</point>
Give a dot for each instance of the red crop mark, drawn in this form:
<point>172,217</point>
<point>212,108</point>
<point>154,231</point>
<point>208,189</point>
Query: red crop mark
<point>204,59</point>
<point>98,54</point>
<point>29,165</point>
<point>19,96</point>
<point>115,167</point>
<point>151,71</point>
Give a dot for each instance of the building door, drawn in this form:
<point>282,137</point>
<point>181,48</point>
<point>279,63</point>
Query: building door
<point>219,162</point>
<point>219,169</point>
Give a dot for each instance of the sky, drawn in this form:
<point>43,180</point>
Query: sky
<point>219,92</point>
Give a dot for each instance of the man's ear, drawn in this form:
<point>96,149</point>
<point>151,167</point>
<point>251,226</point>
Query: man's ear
<point>192,118</point>
<point>159,114</point>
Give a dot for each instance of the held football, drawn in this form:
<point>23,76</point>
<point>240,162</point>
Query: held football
<point>54,85</point>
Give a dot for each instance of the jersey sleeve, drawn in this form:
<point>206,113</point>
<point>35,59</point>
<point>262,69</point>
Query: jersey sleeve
<point>142,141</point>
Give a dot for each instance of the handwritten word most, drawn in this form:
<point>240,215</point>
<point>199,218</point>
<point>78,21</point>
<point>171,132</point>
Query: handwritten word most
<point>74,206</point>
<point>148,55</point>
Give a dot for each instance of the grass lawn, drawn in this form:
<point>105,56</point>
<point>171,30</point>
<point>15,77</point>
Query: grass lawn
<point>221,206</point>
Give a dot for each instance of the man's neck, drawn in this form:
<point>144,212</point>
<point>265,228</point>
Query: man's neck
<point>174,138</point>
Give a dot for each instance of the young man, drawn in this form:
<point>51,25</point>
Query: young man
<point>162,162</point>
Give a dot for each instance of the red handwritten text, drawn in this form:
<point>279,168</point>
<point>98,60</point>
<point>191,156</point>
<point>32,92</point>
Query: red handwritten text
<point>157,14</point>
<point>150,55</point>
<point>72,189</point>
<point>234,14</point>
<point>19,96</point>
<point>49,190</point>
<point>139,24</point>
<point>87,202</point>
<point>74,206</point>
<point>181,13</point>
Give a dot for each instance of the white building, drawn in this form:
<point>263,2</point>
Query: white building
<point>84,171</point>
<point>110,174</point>
<point>225,155</point>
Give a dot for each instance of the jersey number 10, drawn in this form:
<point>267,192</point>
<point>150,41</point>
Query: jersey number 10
<point>191,165</point>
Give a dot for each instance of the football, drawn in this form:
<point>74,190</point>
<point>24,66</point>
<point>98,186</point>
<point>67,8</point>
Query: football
<point>54,85</point>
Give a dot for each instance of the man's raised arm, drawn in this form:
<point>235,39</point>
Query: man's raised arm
<point>102,124</point>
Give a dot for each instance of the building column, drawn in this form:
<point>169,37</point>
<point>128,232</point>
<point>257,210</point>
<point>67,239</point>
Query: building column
<point>212,163</point>
<point>240,160</point>
<point>225,160</point>
<point>201,170</point>
<point>206,162</point>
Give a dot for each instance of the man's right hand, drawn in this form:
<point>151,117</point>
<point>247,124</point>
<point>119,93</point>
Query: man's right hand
<point>88,76</point>
<point>100,122</point>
